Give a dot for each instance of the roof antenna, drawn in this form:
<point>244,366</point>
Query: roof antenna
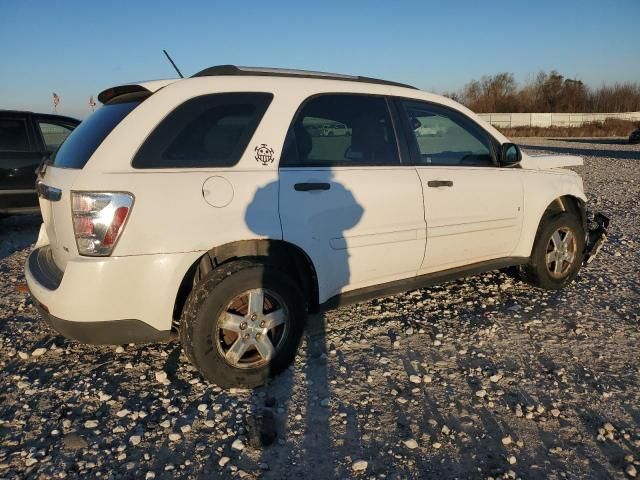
<point>174,65</point>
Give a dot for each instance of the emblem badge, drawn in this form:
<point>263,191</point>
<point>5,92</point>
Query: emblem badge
<point>264,154</point>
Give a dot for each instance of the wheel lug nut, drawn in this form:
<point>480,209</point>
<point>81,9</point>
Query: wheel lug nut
<point>263,323</point>
<point>246,336</point>
<point>258,336</point>
<point>254,316</point>
<point>243,325</point>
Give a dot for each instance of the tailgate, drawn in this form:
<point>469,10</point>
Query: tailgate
<point>54,190</point>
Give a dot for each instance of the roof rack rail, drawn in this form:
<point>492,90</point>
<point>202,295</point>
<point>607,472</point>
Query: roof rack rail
<point>286,72</point>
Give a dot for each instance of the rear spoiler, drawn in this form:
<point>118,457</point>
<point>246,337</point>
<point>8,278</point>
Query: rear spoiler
<point>151,87</point>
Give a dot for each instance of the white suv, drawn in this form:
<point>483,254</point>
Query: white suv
<point>214,206</point>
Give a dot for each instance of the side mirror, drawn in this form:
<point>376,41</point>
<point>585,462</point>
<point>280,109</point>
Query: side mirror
<point>510,155</point>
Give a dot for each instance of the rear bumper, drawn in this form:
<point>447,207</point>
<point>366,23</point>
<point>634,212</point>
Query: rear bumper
<point>111,300</point>
<point>110,332</point>
<point>596,235</point>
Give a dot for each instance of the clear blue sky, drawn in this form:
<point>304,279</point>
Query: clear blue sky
<point>78,48</point>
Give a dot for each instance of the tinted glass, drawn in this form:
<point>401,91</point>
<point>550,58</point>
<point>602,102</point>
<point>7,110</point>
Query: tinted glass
<point>207,131</point>
<point>53,134</point>
<point>87,137</point>
<point>445,137</point>
<point>348,130</point>
<point>13,135</point>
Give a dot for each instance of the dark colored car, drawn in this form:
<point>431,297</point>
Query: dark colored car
<point>25,139</point>
<point>635,136</point>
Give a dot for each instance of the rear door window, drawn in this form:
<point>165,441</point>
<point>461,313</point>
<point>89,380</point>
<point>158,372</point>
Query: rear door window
<point>53,134</point>
<point>207,131</point>
<point>87,137</point>
<point>13,135</point>
<point>342,129</point>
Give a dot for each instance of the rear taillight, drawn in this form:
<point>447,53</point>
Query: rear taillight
<point>98,220</point>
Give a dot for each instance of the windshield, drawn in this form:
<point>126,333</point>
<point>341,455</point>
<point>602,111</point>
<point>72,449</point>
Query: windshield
<point>76,150</point>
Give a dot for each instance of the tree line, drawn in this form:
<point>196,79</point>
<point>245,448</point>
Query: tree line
<point>546,92</point>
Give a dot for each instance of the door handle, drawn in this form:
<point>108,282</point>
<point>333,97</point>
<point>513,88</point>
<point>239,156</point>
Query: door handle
<point>310,186</point>
<point>440,183</point>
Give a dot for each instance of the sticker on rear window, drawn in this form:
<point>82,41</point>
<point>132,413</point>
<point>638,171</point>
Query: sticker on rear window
<point>264,154</point>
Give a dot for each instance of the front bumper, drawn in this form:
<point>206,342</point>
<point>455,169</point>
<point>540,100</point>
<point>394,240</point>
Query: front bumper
<point>596,234</point>
<point>109,300</point>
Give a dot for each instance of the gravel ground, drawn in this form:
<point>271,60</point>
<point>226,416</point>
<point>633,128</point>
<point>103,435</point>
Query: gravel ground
<point>480,378</point>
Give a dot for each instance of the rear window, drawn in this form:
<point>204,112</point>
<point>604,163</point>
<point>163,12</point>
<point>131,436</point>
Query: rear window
<point>207,131</point>
<point>87,137</point>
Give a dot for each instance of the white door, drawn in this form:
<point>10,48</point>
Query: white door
<point>346,200</point>
<point>473,207</point>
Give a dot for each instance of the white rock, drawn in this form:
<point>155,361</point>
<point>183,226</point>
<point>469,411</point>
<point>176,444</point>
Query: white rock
<point>415,379</point>
<point>631,471</point>
<point>359,465</point>
<point>134,439</point>
<point>202,407</point>
<point>149,476</point>
<point>38,352</point>
<point>481,393</point>
<point>411,444</point>
<point>237,444</point>
<point>122,413</point>
<point>512,460</point>
<point>30,461</point>
<point>427,379</point>
<point>91,424</point>
<point>120,349</point>
<point>223,461</point>
<point>161,377</point>
<point>174,437</point>
<point>506,440</point>
<point>23,355</point>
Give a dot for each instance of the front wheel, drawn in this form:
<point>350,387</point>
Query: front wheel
<point>557,252</point>
<point>242,323</point>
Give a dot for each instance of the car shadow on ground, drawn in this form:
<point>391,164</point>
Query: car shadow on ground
<point>308,434</point>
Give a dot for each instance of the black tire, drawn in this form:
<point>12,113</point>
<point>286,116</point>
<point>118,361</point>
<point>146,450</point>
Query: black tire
<point>537,272</point>
<point>210,298</point>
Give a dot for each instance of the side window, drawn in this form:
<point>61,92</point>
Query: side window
<point>445,137</point>
<point>338,129</point>
<point>207,131</point>
<point>53,134</point>
<point>13,135</point>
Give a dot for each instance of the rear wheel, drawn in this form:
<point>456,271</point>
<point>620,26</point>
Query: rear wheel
<point>242,323</point>
<point>557,252</point>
